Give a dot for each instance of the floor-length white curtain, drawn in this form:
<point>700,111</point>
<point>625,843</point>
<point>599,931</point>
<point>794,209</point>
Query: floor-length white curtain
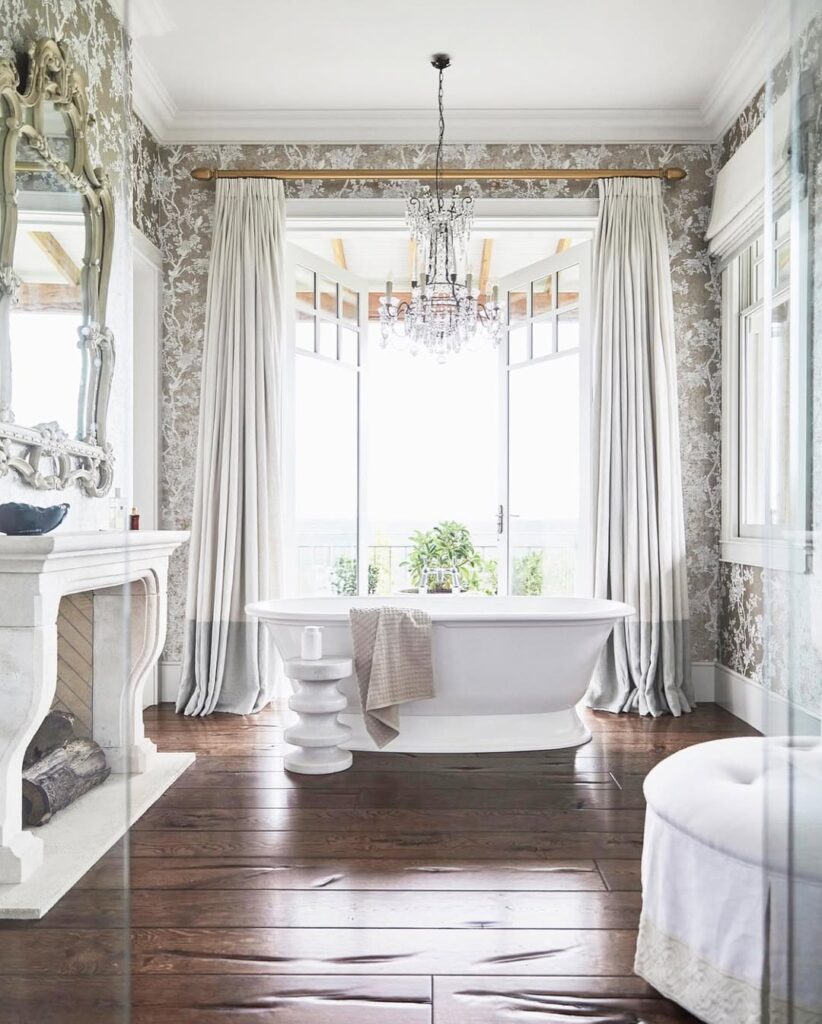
<point>639,541</point>
<point>235,532</point>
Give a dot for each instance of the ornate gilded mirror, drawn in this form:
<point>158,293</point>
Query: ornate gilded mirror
<point>56,237</point>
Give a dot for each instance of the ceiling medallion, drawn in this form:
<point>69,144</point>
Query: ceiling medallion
<point>444,312</point>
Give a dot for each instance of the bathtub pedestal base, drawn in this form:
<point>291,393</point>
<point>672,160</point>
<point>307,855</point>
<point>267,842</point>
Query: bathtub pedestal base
<point>476,734</point>
<point>319,735</point>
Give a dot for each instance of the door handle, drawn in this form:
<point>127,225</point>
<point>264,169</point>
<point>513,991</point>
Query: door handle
<point>501,518</point>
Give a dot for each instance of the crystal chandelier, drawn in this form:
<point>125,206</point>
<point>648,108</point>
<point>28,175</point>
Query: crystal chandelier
<point>444,312</point>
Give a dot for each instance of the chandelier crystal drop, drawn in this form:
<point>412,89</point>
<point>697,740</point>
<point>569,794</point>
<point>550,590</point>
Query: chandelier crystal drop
<point>444,312</point>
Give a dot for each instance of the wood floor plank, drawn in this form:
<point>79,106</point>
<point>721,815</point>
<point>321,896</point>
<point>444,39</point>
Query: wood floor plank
<point>31,951</point>
<point>231,999</point>
<point>379,951</point>
<point>458,845</point>
<point>36,952</point>
<point>66,1000</point>
<point>295,1000</point>
<point>483,1000</point>
<point>547,763</point>
<point>390,820</point>
<point>427,875</point>
<point>387,908</point>
<point>185,797</point>
<point>419,797</point>
<point>524,798</point>
<point>621,875</point>
<point>395,782</point>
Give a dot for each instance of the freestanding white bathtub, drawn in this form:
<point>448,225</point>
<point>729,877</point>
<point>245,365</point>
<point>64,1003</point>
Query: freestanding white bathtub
<point>508,671</point>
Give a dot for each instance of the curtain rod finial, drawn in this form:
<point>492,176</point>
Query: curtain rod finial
<point>204,173</point>
<point>673,173</point>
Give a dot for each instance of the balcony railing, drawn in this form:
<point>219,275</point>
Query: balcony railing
<point>328,569</point>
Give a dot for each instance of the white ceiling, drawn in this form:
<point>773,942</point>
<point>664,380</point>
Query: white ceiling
<point>588,70</point>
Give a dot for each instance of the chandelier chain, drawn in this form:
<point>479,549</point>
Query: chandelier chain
<point>440,141</point>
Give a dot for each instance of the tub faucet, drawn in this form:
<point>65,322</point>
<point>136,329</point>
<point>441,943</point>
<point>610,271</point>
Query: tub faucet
<point>440,575</point>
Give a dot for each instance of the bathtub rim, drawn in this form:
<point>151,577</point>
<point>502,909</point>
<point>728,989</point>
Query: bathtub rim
<point>290,611</point>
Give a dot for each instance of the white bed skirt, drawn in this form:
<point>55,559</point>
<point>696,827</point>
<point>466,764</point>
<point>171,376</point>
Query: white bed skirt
<point>719,910</point>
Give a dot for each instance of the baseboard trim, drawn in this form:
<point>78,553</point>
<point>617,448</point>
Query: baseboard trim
<point>703,676</point>
<point>771,714</point>
<point>168,682</point>
<point>768,712</point>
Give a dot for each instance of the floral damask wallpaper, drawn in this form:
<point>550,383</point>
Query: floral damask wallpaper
<point>185,232</point>
<point>741,618</point>
<point>145,175</point>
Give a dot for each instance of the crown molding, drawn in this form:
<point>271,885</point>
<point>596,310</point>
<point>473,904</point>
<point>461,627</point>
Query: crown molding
<point>417,126</point>
<point>767,38</point>
<point>150,99</point>
<point>743,76</point>
<point>143,17</point>
<point>766,42</point>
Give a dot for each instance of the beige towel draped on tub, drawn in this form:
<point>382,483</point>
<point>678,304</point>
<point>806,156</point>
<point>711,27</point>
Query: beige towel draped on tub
<point>392,656</point>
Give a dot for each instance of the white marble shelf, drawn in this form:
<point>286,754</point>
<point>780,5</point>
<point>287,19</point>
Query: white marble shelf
<point>77,837</point>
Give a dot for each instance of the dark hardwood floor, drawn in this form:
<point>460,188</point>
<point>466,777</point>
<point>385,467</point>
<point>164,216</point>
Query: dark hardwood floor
<point>412,889</point>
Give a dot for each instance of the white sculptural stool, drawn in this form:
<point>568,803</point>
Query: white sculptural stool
<point>318,734</point>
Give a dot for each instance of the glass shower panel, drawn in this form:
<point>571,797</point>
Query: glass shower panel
<point>791,611</point>
<point>75,630</point>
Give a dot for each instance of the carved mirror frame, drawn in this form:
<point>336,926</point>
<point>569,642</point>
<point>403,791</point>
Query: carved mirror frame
<point>44,456</point>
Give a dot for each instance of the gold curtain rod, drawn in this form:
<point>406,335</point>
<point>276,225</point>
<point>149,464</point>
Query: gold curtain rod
<point>448,173</point>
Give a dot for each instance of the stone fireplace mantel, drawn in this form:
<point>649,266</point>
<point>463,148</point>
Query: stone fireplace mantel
<point>127,573</point>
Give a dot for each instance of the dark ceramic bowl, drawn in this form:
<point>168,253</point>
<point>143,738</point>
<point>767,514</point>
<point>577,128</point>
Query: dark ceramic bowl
<point>17,519</point>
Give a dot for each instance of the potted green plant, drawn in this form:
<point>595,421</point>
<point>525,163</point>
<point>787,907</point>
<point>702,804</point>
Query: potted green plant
<point>447,545</point>
<point>529,574</point>
<point>344,576</point>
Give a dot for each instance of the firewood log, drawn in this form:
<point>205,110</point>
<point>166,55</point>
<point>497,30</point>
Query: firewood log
<point>56,729</point>
<point>60,777</point>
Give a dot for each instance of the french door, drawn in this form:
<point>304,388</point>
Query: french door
<point>324,421</point>
<point>543,521</point>
<point>542,378</point>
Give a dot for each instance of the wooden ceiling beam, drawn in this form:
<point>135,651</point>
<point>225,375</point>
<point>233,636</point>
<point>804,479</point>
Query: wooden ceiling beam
<point>485,265</point>
<point>49,298</point>
<point>57,255</point>
<point>338,249</point>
